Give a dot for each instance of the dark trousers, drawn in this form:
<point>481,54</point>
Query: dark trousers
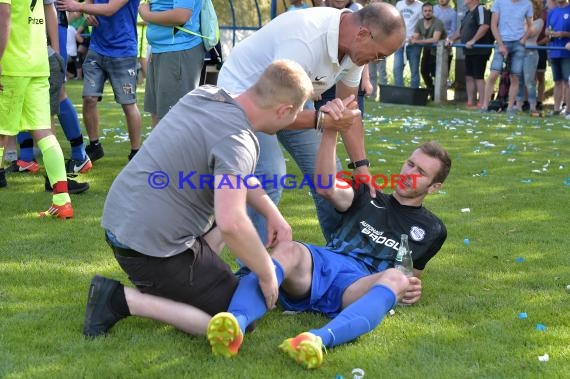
<point>427,68</point>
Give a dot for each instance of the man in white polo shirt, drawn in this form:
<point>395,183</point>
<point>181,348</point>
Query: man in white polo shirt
<point>332,46</point>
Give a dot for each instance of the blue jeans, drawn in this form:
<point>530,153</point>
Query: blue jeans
<point>303,146</point>
<point>413,56</point>
<point>528,78</point>
<point>515,51</point>
<point>377,73</point>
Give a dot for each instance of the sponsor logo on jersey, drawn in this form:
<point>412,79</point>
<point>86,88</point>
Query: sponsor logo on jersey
<point>417,233</point>
<point>33,20</point>
<point>378,236</point>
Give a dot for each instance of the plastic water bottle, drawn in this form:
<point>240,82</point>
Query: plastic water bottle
<point>404,261</point>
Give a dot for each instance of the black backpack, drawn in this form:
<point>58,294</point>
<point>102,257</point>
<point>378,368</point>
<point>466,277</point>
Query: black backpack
<point>501,100</point>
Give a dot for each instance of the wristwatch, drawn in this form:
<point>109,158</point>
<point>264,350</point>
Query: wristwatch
<point>355,165</point>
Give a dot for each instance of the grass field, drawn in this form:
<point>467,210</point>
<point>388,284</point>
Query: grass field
<point>507,255</point>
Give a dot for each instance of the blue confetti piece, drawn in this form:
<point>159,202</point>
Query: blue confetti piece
<point>540,327</point>
<point>567,182</point>
<point>523,315</point>
<point>339,376</point>
<point>519,259</point>
<point>466,241</point>
<point>526,181</point>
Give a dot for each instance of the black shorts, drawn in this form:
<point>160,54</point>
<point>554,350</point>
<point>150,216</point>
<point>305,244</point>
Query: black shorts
<point>197,276</point>
<point>475,65</point>
<point>542,58</point>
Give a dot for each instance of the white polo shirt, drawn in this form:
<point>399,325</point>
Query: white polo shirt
<point>308,37</point>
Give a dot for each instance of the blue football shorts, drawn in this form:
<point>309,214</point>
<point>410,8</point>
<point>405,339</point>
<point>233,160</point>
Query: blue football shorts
<point>333,273</point>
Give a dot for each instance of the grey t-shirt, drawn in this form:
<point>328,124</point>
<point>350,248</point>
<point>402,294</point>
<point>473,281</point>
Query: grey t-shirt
<point>205,134</point>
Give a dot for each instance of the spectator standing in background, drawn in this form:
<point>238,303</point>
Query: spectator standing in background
<point>448,16</point>
<point>475,29</point>
<point>428,31</point>
<point>528,80</point>
<point>176,56</point>
<point>411,11</point>
<point>112,55</point>
<point>508,21</point>
<point>558,32</point>
<point>542,59</point>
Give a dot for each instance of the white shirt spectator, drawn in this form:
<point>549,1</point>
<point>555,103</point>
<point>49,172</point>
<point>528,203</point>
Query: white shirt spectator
<point>411,14</point>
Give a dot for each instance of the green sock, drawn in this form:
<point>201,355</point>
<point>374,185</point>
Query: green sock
<point>55,166</point>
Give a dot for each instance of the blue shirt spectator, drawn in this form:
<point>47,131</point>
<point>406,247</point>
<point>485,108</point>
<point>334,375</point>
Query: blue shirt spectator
<point>167,38</point>
<point>447,15</point>
<point>558,21</point>
<point>513,14</point>
<point>116,35</point>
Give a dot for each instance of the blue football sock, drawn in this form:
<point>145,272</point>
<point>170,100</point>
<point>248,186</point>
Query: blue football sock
<point>70,124</point>
<point>26,146</point>
<point>248,302</point>
<point>359,317</point>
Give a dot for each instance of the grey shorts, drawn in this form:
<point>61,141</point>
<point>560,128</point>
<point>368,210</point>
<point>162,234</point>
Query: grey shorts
<point>56,80</point>
<point>197,276</point>
<point>170,76</point>
<point>121,72</point>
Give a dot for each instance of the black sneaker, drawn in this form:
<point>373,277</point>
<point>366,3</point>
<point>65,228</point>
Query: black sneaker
<point>132,154</point>
<point>94,151</point>
<point>99,317</point>
<point>539,106</point>
<point>3,182</point>
<point>75,167</point>
<point>525,106</point>
<point>23,166</point>
<point>73,186</point>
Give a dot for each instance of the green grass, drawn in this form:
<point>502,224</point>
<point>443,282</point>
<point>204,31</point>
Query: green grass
<point>465,326</point>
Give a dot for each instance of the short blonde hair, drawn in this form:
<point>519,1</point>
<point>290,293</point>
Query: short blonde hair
<point>283,81</point>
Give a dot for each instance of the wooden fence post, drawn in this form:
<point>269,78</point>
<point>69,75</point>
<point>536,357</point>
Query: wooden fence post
<point>441,74</point>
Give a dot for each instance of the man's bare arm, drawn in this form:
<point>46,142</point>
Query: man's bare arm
<point>340,195</point>
<point>107,10</point>
<point>52,26</point>
<point>171,17</point>
<point>240,235</point>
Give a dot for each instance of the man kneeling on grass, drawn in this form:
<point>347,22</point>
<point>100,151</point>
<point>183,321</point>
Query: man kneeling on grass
<point>352,279</point>
<point>164,227</point>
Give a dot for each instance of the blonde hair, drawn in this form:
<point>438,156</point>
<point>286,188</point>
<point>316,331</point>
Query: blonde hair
<point>283,81</point>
